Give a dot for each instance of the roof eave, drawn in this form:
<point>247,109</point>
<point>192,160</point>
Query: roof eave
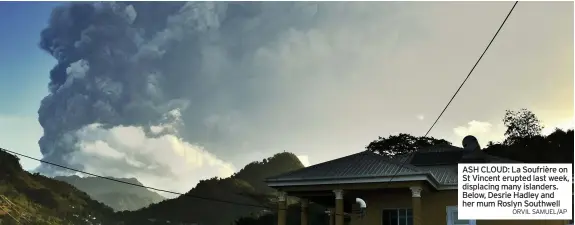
<point>360,180</point>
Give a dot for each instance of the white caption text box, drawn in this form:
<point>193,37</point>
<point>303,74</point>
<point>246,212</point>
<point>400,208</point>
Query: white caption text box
<point>515,191</point>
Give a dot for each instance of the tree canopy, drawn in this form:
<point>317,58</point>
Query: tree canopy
<point>525,142</point>
<point>521,124</point>
<point>402,144</point>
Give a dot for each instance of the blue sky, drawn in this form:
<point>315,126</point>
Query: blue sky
<point>24,72</point>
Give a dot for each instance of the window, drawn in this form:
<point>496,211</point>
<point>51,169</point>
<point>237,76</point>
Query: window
<point>397,217</point>
<point>452,217</point>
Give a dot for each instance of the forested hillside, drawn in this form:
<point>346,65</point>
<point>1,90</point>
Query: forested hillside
<point>35,199</point>
<point>243,194</point>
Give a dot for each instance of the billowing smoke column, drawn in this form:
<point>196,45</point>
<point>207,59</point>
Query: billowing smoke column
<point>127,65</point>
<point>138,82</point>
<point>106,71</point>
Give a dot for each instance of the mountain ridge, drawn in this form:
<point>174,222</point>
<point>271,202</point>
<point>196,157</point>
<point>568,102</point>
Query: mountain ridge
<point>243,194</point>
<point>50,201</point>
<point>119,196</point>
<point>27,198</point>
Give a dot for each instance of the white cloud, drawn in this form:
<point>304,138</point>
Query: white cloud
<point>483,131</point>
<point>474,127</point>
<point>165,161</point>
<point>304,159</point>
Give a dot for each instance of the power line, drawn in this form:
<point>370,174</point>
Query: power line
<point>473,68</point>
<point>460,86</point>
<point>137,185</point>
<point>260,206</point>
<point>143,186</point>
<point>148,187</point>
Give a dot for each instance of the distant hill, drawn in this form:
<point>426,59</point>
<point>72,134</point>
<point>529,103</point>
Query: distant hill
<point>247,187</point>
<point>35,199</point>
<point>117,195</point>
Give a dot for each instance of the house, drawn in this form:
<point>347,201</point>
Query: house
<point>413,189</point>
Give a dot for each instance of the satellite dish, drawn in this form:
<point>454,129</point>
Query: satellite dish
<point>470,143</point>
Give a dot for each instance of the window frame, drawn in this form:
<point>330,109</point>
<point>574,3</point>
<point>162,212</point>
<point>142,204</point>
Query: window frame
<point>397,211</point>
<point>449,218</point>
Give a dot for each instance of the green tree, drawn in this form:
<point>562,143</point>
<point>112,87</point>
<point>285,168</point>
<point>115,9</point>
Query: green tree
<point>524,141</point>
<point>402,144</point>
<point>521,124</point>
<point>556,147</point>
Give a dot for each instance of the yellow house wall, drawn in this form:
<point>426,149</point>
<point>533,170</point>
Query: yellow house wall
<point>434,204</point>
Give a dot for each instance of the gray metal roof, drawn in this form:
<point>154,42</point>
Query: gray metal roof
<point>445,175</point>
<point>363,164</point>
<point>367,164</point>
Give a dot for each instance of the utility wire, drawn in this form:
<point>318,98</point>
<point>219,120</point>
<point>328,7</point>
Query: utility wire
<point>261,206</point>
<point>460,86</point>
<point>137,185</point>
<point>143,186</point>
<point>473,68</point>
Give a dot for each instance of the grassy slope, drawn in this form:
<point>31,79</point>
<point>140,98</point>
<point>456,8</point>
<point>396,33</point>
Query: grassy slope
<point>35,199</point>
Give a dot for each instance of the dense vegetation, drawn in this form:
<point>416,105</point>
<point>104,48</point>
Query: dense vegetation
<point>35,199</point>
<point>523,141</point>
<point>246,187</point>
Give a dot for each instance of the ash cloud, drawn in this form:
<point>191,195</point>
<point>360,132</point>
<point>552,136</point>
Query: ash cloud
<point>241,77</point>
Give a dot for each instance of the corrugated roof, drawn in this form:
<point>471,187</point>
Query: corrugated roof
<point>445,175</point>
<point>363,164</point>
<point>369,164</point>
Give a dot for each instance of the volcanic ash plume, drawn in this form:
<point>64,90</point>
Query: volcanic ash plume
<point>141,89</point>
<point>113,107</point>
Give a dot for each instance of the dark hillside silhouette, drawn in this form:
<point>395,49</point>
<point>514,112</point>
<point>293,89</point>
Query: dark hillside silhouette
<point>35,199</point>
<point>246,187</point>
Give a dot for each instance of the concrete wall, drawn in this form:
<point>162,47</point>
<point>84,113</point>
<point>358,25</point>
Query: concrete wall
<point>434,204</point>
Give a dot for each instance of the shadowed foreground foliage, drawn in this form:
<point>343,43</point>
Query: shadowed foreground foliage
<point>556,147</point>
<point>524,141</point>
<point>403,144</point>
<point>35,199</point>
